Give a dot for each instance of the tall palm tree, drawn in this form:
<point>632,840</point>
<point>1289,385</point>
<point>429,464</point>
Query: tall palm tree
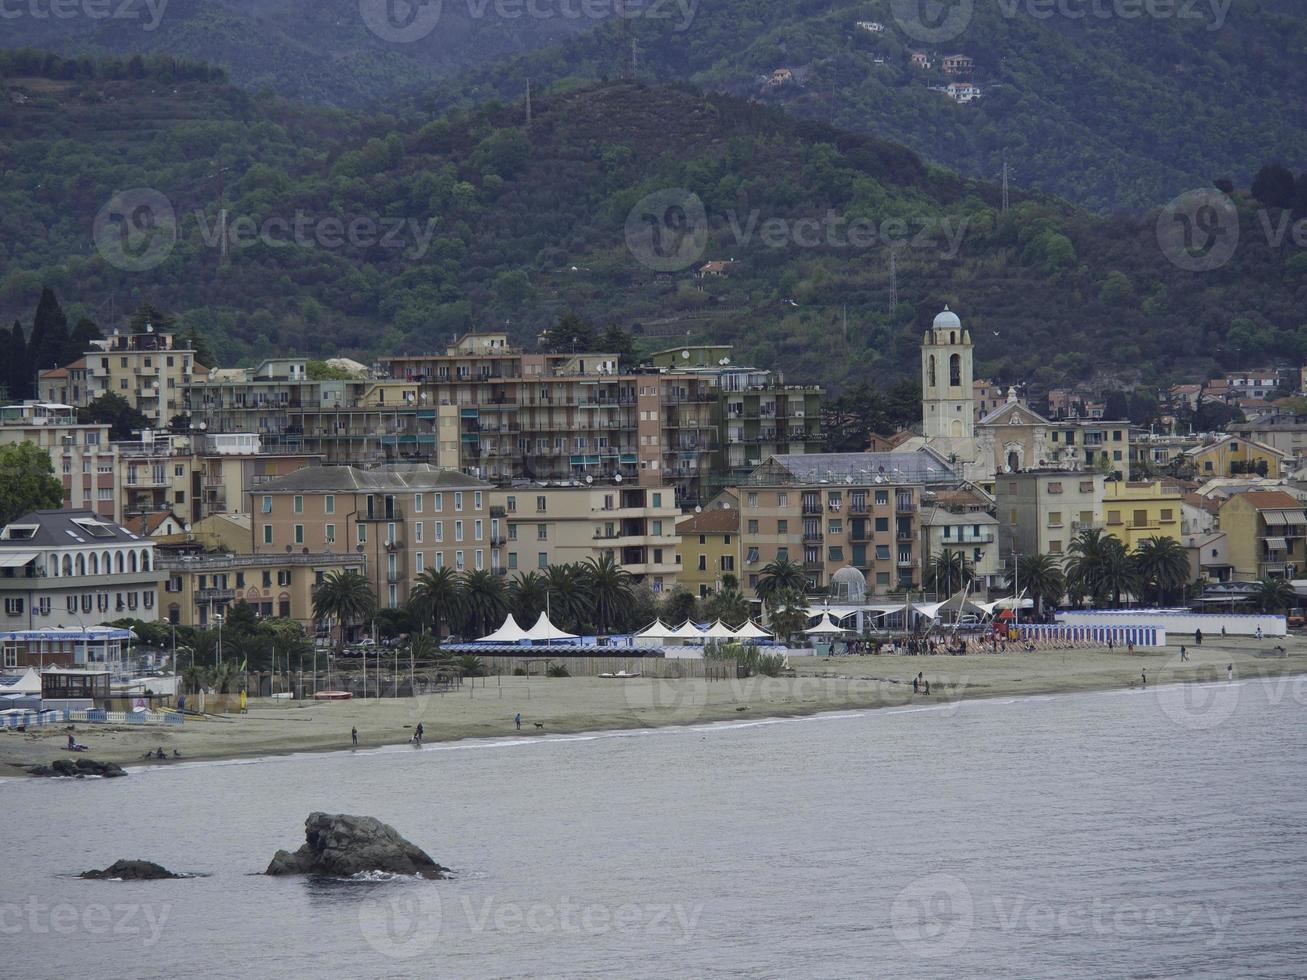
<point>568,600</point>
<point>528,594</point>
<point>1088,558</point>
<point>1162,563</point>
<point>730,606</point>
<point>485,601</point>
<point>949,571</point>
<point>608,587</point>
<point>345,597</point>
<point>1275,595</point>
<point>1120,576</point>
<point>781,575</point>
<point>437,599</point>
<point>1039,576</point>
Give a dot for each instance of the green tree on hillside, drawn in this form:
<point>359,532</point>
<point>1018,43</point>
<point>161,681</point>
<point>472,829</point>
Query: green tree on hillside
<point>115,411</point>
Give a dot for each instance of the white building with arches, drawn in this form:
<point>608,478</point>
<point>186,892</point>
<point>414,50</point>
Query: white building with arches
<point>74,569</point>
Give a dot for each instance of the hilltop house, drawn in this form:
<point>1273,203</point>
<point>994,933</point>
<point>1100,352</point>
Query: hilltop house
<point>957,64</point>
<point>922,60</point>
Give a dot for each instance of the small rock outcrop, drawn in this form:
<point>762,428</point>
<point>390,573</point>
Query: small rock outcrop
<point>340,845</point>
<point>71,768</point>
<point>131,871</point>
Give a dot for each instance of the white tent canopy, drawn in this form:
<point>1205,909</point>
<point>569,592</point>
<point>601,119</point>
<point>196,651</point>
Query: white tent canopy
<point>752,631</point>
<point>827,627</point>
<point>655,632</point>
<point>719,631</point>
<point>26,683</point>
<point>510,632</point>
<point>687,631</point>
<point>545,630</point>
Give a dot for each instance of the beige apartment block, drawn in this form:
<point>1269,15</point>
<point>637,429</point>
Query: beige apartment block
<point>403,519</point>
<point>1042,511</point>
<point>148,369</point>
<point>197,589</point>
<point>633,525</point>
<point>832,511</point>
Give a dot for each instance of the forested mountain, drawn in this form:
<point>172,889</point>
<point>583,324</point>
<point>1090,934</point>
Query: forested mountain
<point>1114,112</point>
<point>359,234</point>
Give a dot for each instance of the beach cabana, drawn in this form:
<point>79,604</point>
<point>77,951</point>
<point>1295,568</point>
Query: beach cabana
<point>544,631</point>
<point>687,631</point>
<point>719,631</point>
<point>657,631</point>
<point>510,632</point>
<point>752,631</point>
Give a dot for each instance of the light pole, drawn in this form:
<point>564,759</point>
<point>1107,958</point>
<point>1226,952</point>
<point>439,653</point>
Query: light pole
<point>217,653</point>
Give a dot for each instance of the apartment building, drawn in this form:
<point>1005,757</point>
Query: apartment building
<point>198,588</point>
<point>82,456</point>
<point>1282,431</point>
<point>710,548</point>
<point>829,511</point>
<point>634,526</point>
<point>1233,455</point>
<point>149,369</point>
<point>158,473</point>
<point>74,569</point>
<point>1093,444</point>
<point>1266,534</point>
<point>972,534</point>
<point>501,414</point>
<point>403,518</point>
<point>232,464</point>
<point>1041,511</point>
<point>1134,512</point>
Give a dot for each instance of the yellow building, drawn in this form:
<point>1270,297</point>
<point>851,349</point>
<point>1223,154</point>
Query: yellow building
<point>1134,512</point>
<point>1265,531</point>
<point>1235,456</point>
<point>709,550</point>
<point>199,588</point>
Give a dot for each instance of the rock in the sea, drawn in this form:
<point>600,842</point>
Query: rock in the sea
<point>131,871</point>
<point>78,767</point>
<point>340,845</point>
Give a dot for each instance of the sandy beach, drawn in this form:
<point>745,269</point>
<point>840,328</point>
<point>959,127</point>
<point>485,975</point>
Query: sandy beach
<point>486,708</point>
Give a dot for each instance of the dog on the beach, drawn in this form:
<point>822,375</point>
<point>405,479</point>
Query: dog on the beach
<point>540,724</point>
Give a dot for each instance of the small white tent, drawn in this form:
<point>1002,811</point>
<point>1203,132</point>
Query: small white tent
<point>719,631</point>
<point>655,632</point>
<point>827,627</point>
<point>687,631</point>
<point>510,632</point>
<point>752,631</point>
<point>544,630</point>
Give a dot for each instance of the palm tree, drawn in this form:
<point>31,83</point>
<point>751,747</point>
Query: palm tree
<point>949,571</point>
<point>484,601</point>
<point>608,587</point>
<point>1120,576</point>
<point>678,606</point>
<point>1162,562</point>
<point>345,597</point>
<point>1275,594</point>
<point>781,575</point>
<point>730,606</point>
<point>528,595</point>
<point>787,613</point>
<point>1040,576</point>
<point>569,603</point>
<point>437,599</point>
<point>1088,559</point>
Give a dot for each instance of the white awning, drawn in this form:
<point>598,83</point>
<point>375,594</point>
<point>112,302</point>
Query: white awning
<point>1276,544</point>
<point>510,632</point>
<point>655,632</point>
<point>16,560</point>
<point>545,630</point>
<point>719,631</point>
<point>751,631</point>
<point>687,631</point>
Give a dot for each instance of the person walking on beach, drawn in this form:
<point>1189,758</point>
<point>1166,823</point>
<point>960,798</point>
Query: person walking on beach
<point>517,720</point>
<point>354,737</point>
<point>1259,633</point>
<point>1143,674</point>
<point>1198,638</point>
<point>1184,654</point>
<point>418,735</point>
<point>1229,672</point>
<point>916,686</point>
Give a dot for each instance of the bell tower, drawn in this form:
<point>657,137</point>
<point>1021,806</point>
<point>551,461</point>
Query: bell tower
<point>948,409</point>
